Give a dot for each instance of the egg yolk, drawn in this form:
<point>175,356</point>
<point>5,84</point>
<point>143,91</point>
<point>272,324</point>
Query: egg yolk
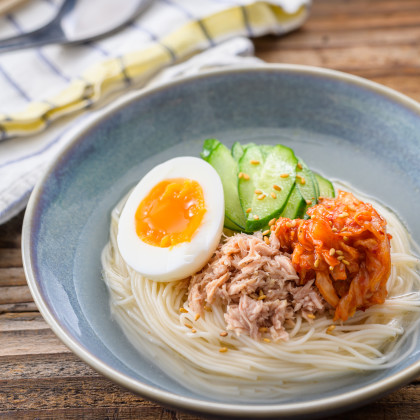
<point>171,213</point>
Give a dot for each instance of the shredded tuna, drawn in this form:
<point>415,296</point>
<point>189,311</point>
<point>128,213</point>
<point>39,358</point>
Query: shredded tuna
<point>257,285</point>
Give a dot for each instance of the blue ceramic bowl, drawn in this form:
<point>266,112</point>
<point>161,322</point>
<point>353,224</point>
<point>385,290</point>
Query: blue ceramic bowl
<point>344,127</point>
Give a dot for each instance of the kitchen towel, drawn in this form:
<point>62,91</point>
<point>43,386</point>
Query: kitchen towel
<point>44,91</point>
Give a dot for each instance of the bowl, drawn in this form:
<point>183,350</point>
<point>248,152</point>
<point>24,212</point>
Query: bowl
<point>343,126</point>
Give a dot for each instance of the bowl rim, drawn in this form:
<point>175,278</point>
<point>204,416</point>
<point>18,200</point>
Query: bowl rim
<point>320,406</point>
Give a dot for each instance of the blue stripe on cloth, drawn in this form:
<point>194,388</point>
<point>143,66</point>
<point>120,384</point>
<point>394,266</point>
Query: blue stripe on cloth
<point>14,84</point>
<point>189,15</point>
<point>40,54</point>
<point>154,38</point>
<point>127,78</point>
<point>2,133</point>
<point>52,66</point>
<point>47,146</point>
<point>244,13</point>
<point>246,21</point>
<point>98,48</point>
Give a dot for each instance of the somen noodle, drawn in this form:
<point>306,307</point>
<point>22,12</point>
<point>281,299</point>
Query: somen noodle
<point>188,349</point>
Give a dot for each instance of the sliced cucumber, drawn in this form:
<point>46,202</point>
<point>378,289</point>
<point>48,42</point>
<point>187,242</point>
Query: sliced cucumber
<point>208,146</point>
<point>306,182</point>
<point>274,161</point>
<point>227,168</point>
<point>239,149</point>
<point>326,188</point>
<point>296,205</point>
<point>232,226</point>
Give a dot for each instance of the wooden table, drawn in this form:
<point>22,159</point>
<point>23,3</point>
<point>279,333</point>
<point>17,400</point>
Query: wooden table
<point>41,378</point>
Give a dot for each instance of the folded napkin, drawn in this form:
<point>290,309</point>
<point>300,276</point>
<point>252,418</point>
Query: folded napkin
<point>44,91</point>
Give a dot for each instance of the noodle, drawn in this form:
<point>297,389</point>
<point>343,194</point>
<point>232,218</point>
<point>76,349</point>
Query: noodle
<point>148,312</point>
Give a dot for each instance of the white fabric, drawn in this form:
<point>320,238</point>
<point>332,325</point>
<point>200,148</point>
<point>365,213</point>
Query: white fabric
<point>36,74</point>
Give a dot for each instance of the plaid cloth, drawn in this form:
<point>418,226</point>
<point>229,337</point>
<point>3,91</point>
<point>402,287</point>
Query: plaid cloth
<point>63,83</point>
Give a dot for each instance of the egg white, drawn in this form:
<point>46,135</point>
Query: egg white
<point>184,259</point>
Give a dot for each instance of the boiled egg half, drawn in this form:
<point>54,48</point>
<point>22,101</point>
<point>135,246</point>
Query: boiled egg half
<point>172,221</point>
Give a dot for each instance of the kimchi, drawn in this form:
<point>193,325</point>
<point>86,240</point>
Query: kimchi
<point>344,246</point>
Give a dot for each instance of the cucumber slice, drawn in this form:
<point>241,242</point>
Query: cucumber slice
<point>326,188</point>
<point>227,168</point>
<point>306,182</point>
<point>238,149</point>
<point>230,225</point>
<point>208,146</point>
<point>296,205</point>
<point>273,162</point>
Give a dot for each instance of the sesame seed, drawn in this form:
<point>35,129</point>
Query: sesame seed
<point>245,176</point>
<point>345,262</point>
<point>331,268</point>
<point>223,349</point>
<point>332,251</point>
<point>334,229</point>
<point>258,192</point>
<point>271,222</point>
<point>284,175</point>
<point>254,162</point>
<point>197,316</point>
<point>262,296</point>
<point>267,340</point>
<point>330,328</point>
<point>193,330</point>
<point>273,195</point>
<point>308,202</point>
<point>339,252</point>
<point>301,179</point>
<point>340,258</point>
<point>289,224</point>
<point>345,238</point>
<point>299,165</point>
<point>276,187</point>
<point>256,217</point>
<point>261,197</point>
<point>266,240</point>
<point>316,263</point>
<point>223,334</point>
<point>330,222</point>
<point>249,210</point>
<point>208,309</point>
<point>183,310</point>
<point>263,329</point>
<point>311,316</point>
<point>344,214</point>
<point>293,223</point>
<point>266,232</point>
<point>188,325</point>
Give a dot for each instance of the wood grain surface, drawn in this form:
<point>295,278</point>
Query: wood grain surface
<point>41,378</point>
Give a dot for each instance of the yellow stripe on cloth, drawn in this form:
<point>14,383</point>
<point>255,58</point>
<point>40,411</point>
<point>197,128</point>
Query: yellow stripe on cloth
<point>138,67</point>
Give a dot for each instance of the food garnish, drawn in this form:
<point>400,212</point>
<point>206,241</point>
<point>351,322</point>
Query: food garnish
<point>345,247</point>
<point>263,182</point>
